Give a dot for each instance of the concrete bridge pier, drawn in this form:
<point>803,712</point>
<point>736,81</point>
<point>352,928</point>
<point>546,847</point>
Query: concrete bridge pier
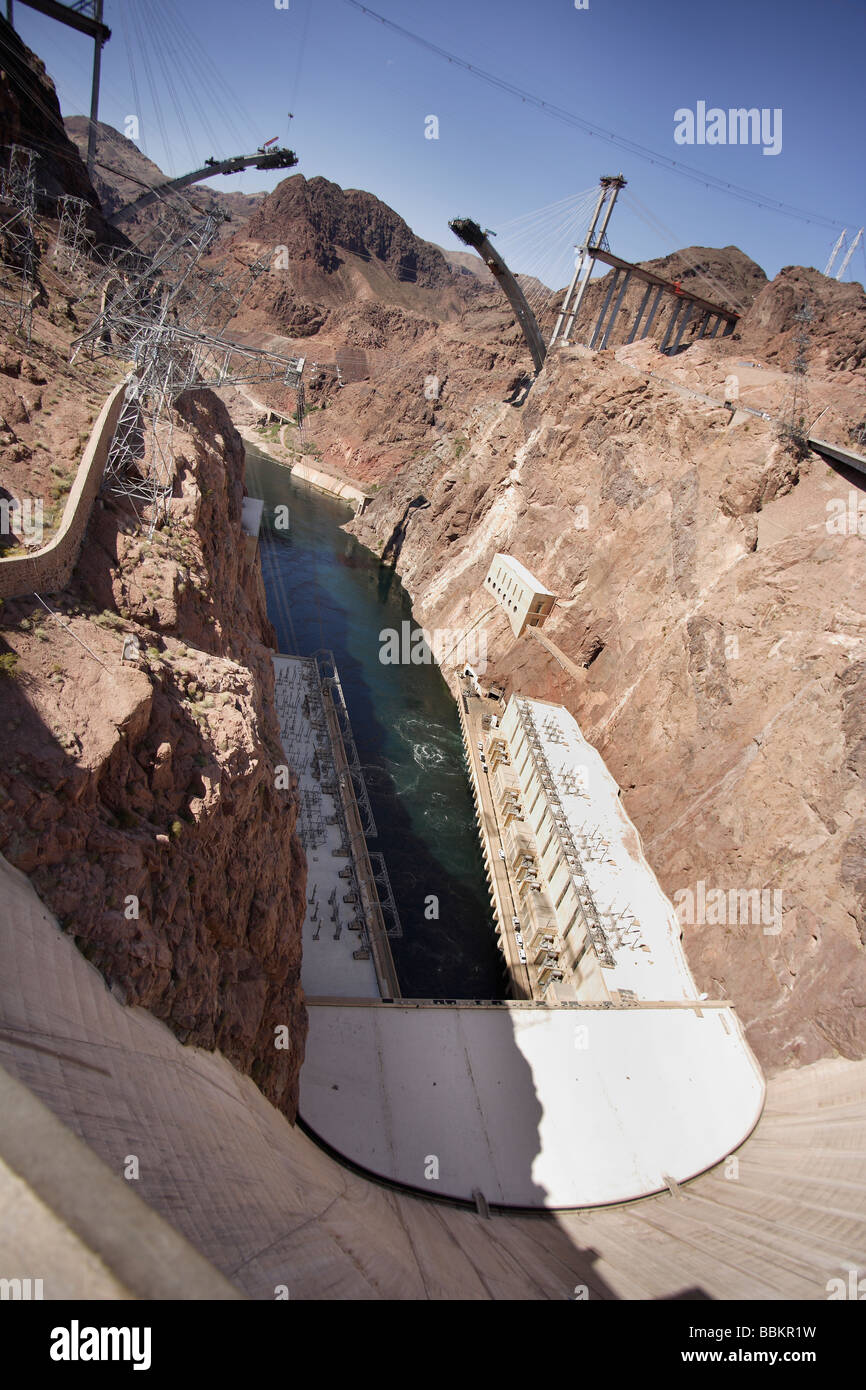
<point>653,311</point>
<point>616,308</point>
<point>686,318</point>
<point>639,315</point>
<point>677,310</point>
<point>604,308</point>
<point>575,308</point>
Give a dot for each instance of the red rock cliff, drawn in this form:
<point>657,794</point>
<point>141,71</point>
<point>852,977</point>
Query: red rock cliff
<point>142,798</point>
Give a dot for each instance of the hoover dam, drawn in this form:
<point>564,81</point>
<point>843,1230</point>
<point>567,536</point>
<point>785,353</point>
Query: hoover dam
<point>433,678</point>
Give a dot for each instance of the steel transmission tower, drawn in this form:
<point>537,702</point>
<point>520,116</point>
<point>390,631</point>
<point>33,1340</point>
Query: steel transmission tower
<point>836,249</point>
<point>849,253</point>
<point>72,240</point>
<point>18,236</point>
<point>157,317</point>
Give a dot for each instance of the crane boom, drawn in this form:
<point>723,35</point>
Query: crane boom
<point>279,158</point>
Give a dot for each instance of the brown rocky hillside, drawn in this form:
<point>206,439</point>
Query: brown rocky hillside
<point>141,797</point>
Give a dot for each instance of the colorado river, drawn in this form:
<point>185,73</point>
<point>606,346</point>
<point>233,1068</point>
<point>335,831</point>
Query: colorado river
<point>324,589</point>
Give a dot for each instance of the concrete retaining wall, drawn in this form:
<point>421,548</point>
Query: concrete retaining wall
<point>49,569</point>
<point>326,482</point>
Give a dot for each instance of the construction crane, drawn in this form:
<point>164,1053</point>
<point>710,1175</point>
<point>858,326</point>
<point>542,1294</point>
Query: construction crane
<point>264,158</point>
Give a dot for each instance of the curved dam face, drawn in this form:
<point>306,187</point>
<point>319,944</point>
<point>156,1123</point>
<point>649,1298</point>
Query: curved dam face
<point>268,1208</point>
<point>531,1107</point>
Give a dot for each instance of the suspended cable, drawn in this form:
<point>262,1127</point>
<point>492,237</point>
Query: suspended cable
<point>200,89</point>
<point>167,60</point>
<point>145,57</point>
<point>513,222</point>
<point>653,222</point>
<point>553,267</point>
<point>299,65</point>
<point>212,82</point>
<point>133,78</point>
<point>579,122</point>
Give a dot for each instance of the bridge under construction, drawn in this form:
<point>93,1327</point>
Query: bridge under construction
<point>662,297</point>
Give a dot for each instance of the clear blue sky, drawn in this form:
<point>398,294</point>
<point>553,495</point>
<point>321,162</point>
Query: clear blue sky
<point>360,95</point>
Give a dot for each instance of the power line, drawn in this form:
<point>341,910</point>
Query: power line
<point>200,88</point>
<point>132,74</point>
<point>212,79</point>
<point>656,225</point>
<point>301,50</point>
<point>167,59</point>
<point>579,122</point>
<point>154,97</point>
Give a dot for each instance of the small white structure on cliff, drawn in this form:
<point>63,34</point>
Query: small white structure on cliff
<point>524,598</point>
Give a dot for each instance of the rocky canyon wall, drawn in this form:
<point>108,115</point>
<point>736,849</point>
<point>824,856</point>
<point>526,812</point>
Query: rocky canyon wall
<point>141,796</point>
<point>716,622</point>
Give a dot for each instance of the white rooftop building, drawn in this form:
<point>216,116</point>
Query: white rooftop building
<point>596,922</point>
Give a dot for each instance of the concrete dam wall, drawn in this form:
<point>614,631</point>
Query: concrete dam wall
<point>265,1206</point>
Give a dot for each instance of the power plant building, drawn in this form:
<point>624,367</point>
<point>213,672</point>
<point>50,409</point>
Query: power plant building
<point>594,921</point>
